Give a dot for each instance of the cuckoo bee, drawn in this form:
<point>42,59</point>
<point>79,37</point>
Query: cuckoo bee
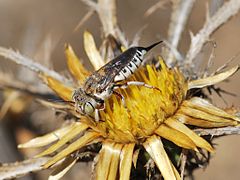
<point>101,84</point>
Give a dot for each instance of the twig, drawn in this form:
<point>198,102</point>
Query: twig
<point>18,169</point>
<point>137,36</point>
<point>229,9</point>
<point>156,6</point>
<point>108,16</point>
<point>183,162</point>
<point>6,82</point>
<point>84,19</point>
<point>214,5</point>
<point>106,10</point>
<point>29,63</point>
<point>218,131</point>
<point>7,103</point>
<point>179,17</point>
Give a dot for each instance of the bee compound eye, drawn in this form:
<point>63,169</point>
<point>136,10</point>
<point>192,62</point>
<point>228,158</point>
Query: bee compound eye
<point>88,108</point>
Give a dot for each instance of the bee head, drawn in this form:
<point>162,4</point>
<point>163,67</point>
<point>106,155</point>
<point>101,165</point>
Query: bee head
<point>84,103</point>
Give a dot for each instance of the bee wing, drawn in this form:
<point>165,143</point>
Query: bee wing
<point>101,78</point>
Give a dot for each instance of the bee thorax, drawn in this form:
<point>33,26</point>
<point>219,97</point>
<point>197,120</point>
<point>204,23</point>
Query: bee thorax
<point>104,94</point>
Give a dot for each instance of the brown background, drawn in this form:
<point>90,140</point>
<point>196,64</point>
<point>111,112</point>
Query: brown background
<point>24,24</point>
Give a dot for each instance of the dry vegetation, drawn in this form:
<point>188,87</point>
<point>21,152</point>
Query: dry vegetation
<point>201,38</point>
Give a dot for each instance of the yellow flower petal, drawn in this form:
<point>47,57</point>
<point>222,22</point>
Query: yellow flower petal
<point>65,92</point>
<point>123,48</point>
<point>135,157</point>
<point>79,143</point>
<point>104,161</point>
<point>75,66</point>
<point>9,100</point>
<point>115,161</point>
<point>126,161</point>
<point>176,137</point>
<point>200,83</point>
<point>201,122</point>
<point>200,142</point>
<point>154,147</point>
<point>92,51</point>
<point>48,138</point>
<point>75,130</point>
<point>201,113</point>
<point>63,168</point>
<point>204,105</point>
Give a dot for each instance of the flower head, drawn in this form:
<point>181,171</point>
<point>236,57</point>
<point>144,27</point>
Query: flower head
<point>149,115</point>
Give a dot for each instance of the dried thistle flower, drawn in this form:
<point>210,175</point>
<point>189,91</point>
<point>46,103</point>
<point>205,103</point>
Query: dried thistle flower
<point>150,115</point>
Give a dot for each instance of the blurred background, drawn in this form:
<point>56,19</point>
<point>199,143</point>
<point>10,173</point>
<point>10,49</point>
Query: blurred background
<point>39,30</point>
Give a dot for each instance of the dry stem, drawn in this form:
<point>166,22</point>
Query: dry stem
<point>218,131</point>
<point>18,169</point>
<point>155,7</point>
<point>29,63</point>
<point>106,10</point>
<point>107,13</point>
<point>84,19</point>
<point>229,9</point>
<point>179,17</point>
<point>183,162</point>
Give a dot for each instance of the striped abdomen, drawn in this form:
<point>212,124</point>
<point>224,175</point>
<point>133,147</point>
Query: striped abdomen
<point>132,66</point>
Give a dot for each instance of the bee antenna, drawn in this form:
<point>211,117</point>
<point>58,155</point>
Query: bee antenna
<point>63,101</point>
<point>152,46</point>
<point>69,102</point>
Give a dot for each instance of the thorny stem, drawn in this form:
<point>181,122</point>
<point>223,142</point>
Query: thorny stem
<point>6,82</point>
<point>183,162</point>
<point>108,16</point>
<point>107,13</point>
<point>84,19</point>
<point>218,131</point>
<point>29,63</point>
<point>229,9</point>
<point>160,4</point>
<point>179,17</point>
<point>18,169</point>
<point>106,10</point>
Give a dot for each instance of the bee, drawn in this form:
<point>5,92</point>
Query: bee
<point>101,84</point>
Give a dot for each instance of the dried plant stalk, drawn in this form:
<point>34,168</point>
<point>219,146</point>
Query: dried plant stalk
<point>29,63</point>
<point>18,169</point>
<point>229,9</point>
<point>106,10</point>
<point>218,131</point>
<point>122,143</point>
<point>179,17</point>
<point>107,14</point>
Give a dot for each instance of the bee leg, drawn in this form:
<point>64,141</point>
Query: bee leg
<point>122,98</point>
<point>135,83</point>
<point>96,115</point>
<point>96,112</point>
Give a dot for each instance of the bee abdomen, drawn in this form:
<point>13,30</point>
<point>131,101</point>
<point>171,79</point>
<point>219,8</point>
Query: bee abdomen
<point>131,67</point>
